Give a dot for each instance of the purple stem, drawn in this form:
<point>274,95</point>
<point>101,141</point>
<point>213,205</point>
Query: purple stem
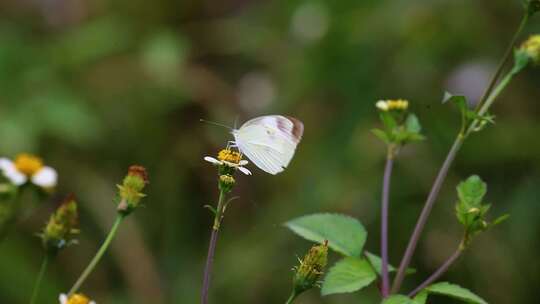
<point>411,247</point>
<point>384,224</point>
<point>208,267</point>
<point>437,274</point>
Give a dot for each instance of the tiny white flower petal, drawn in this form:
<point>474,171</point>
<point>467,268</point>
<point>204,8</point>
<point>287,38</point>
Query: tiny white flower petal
<point>243,162</point>
<point>63,298</point>
<point>212,160</point>
<point>6,163</point>
<point>92,302</point>
<point>382,105</point>
<point>244,170</point>
<point>14,175</point>
<point>46,177</point>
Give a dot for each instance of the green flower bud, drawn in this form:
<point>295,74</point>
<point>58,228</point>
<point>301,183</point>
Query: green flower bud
<point>310,270</point>
<point>130,191</point>
<point>61,228</point>
<point>226,183</point>
<point>531,48</point>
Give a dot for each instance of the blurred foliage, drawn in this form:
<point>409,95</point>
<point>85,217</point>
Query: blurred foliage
<point>95,86</point>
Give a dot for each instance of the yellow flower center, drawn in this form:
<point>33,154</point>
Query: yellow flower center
<point>78,299</point>
<point>28,164</point>
<point>398,104</point>
<point>229,155</point>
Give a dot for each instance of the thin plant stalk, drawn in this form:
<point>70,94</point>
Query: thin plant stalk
<point>41,275</point>
<point>384,221</point>
<point>437,274</point>
<point>98,256</point>
<point>492,94</point>
<point>212,247</point>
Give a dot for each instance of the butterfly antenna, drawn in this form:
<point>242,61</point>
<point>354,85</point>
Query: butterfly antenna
<point>236,122</point>
<point>215,124</point>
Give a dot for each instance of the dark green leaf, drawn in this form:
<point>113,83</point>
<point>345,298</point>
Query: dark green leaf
<point>455,291</point>
<point>345,234</point>
<point>398,299</point>
<point>348,275</point>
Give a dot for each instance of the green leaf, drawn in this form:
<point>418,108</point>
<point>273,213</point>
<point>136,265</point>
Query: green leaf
<point>381,135</point>
<point>455,291</point>
<point>472,191</point>
<point>412,124</point>
<point>376,262</point>
<point>421,297</point>
<point>459,100</point>
<point>348,275</point>
<point>345,234</point>
<point>398,299</point>
<point>388,120</point>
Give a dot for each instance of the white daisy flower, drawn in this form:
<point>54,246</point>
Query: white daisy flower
<point>27,167</point>
<point>75,299</point>
<point>231,159</point>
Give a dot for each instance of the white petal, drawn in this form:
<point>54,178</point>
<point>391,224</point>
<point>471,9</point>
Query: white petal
<point>243,162</point>
<point>12,174</point>
<point>92,302</point>
<point>63,298</point>
<point>244,170</point>
<point>45,178</point>
<point>6,163</point>
<point>212,160</point>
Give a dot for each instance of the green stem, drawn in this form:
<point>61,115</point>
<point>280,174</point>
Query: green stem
<point>485,103</point>
<point>98,255</point>
<point>212,247</point>
<point>39,279</point>
<point>507,55</point>
<point>293,296</point>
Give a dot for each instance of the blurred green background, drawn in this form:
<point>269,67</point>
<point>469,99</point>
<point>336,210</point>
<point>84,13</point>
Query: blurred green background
<point>94,86</point>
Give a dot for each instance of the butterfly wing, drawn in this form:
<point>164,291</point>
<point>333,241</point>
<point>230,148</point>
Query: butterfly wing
<point>269,141</point>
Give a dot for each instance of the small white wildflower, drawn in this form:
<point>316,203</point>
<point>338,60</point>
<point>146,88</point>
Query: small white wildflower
<point>231,159</point>
<point>27,167</point>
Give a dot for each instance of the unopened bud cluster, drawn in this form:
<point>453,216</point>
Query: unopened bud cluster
<point>391,104</point>
<point>309,272</point>
<point>531,47</point>
<point>226,183</point>
<point>130,191</point>
<point>61,228</point>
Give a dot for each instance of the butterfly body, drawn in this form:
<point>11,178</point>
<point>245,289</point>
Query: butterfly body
<point>269,141</point>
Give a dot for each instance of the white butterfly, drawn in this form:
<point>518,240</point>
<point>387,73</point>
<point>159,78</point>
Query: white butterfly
<point>269,141</point>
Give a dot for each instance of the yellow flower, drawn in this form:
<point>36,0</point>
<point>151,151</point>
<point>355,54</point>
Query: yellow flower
<point>77,298</point>
<point>231,159</point>
<point>27,167</point>
<point>392,104</point>
<point>531,47</point>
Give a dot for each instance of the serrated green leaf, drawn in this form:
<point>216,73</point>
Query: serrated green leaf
<point>348,275</point>
<point>455,291</point>
<point>376,262</point>
<point>398,299</point>
<point>472,191</point>
<point>345,234</point>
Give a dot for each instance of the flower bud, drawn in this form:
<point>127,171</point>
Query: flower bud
<point>62,226</point>
<point>531,48</point>
<point>311,268</point>
<point>130,191</point>
<point>226,183</point>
